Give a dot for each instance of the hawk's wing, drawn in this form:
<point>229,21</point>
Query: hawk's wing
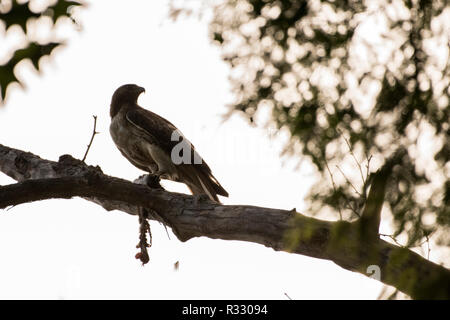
<point>159,131</point>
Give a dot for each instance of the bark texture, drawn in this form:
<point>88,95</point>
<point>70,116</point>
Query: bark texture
<point>341,242</point>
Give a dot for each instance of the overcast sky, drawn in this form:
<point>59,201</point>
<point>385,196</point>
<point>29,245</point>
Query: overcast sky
<point>69,249</point>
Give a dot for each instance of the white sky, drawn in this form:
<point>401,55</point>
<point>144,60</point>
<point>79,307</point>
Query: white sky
<point>71,249</point>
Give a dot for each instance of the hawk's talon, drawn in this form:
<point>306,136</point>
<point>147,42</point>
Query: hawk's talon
<point>200,198</point>
<point>153,181</point>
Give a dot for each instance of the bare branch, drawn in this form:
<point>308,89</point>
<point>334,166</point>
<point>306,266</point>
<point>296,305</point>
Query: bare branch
<point>393,239</point>
<point>334,186</point>
<point>92,138</point>
<point>287,296</point>
<point>354,158</point>
<point>428,245</point>
<point>348,181</point>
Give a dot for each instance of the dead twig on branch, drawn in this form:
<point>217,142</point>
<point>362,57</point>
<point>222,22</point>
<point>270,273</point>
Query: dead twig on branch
<point>94,132</point>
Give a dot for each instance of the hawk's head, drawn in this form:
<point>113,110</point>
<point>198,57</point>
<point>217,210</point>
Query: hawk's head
<point>128,93</point>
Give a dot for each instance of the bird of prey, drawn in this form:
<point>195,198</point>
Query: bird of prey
<point>153,144</point>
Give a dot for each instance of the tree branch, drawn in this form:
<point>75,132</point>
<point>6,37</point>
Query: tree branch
<point>279,229</point>
<point>370,219</point>
<point>94,132</point>
<point>371,215</point>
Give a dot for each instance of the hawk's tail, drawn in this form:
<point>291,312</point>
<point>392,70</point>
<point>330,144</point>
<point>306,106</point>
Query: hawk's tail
<point>206,183</point>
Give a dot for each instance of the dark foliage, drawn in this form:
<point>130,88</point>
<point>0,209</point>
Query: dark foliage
<point>352,81</point>
<point>20,14</point>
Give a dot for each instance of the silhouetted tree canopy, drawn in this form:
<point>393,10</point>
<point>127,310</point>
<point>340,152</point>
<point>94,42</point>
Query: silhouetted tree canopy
<point>23,14</point>
<point>353,82</point>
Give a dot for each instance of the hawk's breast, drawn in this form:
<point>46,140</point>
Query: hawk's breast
<point>135,146</point>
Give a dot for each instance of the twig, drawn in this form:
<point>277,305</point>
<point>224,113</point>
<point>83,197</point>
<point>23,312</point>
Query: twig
<point>349,206</point>
<point>353,209</point>
<point>428,245</point>
<point>366,184</point>
<point>368,165</point>
<point>287,296</point>
<point>161,221</point>
<point>348,181</point>
<point>393,295</point>
<point>92,138</point>
<point>334,187</point>
<point>427,241</point>
<point>356,160</point>
<point>393,238</point>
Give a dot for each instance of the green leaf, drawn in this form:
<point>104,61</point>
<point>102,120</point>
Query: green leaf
<point>34,52</point>
<point>19,14</point>
<point>62,9</point>
<point>6,78</point>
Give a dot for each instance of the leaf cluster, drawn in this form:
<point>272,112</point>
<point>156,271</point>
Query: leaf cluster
<point>351,80</point>
<point>19,14</point>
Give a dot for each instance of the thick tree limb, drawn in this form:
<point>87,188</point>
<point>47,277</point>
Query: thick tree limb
<point>371,215</point>
<point>279,229</point>
<point>370,218</point>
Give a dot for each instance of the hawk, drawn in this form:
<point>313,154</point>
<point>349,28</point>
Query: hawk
<point>153,144</point>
